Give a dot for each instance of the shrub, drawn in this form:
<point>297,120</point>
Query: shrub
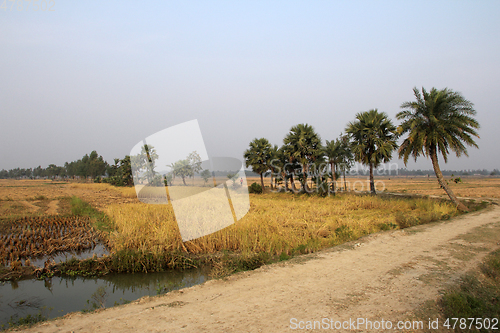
<point>255,188</point>
<point>406,221</point>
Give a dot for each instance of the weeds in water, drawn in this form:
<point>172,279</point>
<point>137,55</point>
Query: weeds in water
<point>97,300</point>
<point>28,320</point>
<point>121,302</point>
<point>168,287</point>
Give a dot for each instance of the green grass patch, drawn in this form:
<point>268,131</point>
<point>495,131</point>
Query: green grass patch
<point>100,220</point>
<point>478,294</point>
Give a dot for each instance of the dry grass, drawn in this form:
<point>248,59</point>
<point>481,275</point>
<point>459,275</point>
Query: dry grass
<point>276,223</point>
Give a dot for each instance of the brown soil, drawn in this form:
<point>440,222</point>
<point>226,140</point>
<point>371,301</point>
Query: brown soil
<point>389,276</point>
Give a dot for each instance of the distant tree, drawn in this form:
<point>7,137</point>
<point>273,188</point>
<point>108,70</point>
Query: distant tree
<point>39,172</point>
<point>257,157</point>
<point>4,174</point>
<point>205,174</point>
<point>148,161</point>
<point>438,121</point>
<point>195,162</point>
<point>304,148</point>
<point>232,176</point>
<point>125,172</point>
<point>54,171</point>
<point>96,165</point>
<point>183,169</point>
<point>373,139</point>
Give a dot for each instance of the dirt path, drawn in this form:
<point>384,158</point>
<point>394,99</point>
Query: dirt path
<point>386,276</point>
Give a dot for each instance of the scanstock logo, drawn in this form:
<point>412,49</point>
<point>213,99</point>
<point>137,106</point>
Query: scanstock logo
<point>172,166</point>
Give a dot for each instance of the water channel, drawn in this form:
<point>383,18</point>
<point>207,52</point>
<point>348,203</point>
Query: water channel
<point>56,296</point>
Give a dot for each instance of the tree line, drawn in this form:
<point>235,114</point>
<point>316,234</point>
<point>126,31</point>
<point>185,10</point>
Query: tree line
<point>90,167</point>
<point>436,122</point>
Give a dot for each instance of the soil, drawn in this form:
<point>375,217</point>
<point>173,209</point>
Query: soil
<point>385,276</point>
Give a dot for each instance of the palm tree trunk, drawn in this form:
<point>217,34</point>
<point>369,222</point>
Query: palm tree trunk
<point>372,181</point>
<point>304,179</point>
<point>283,175</point>
<point>334,177</point>
<point>442,182</point>
<point>292,182</point>
<point>271,180</point>
<point>262,182</point>
<point>345,183</point>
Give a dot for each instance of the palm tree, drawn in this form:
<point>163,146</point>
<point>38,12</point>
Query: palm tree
<point>346,158</point>
<point>332,151</point>
<point>257,156</point>
<point>305,148</point>
<point>273,162</point>
<point>373,139</point>
<point>438,121</point>
<point>289,167</point>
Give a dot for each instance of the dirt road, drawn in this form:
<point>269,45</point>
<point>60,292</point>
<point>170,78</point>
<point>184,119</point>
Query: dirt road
<point>385,276</point>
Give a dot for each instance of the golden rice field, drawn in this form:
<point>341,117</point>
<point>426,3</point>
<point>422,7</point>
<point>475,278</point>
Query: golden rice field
<point>276,223</point>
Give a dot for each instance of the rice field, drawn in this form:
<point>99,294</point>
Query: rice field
<point>31,237</point>
<point>276,223</point>
<point>36,219</point>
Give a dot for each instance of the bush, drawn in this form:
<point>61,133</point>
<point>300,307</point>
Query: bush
<point>406,221</point>
<point>255,188</point>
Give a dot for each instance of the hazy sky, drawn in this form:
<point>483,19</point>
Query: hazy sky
<point>104,75</point>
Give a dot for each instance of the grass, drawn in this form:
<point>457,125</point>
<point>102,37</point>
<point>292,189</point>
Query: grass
<point>477,295</point>
<point>99,220</point>
<point>276,223</point>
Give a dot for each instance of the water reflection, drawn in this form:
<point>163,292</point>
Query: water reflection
<point>98,250</point>
<point>57,296</point>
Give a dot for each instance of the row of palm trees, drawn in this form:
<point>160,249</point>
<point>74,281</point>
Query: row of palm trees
<point>439,121</point>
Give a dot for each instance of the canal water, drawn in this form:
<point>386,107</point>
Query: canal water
<point>57,296</point>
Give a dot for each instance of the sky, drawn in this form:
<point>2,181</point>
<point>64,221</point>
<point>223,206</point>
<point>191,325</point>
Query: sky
<point>104,75</point>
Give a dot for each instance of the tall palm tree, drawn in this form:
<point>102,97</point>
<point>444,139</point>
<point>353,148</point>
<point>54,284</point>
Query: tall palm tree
<point>373,139</point>
<point>274,162</point>
<point>346,158</point>
<point>257,156</point>
<point>438,121</point>
<point>305,148</point>
<point>332,151</point>
<point>289,167</point>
